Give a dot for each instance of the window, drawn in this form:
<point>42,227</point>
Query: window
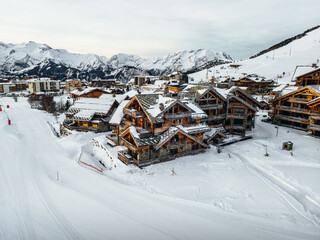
<point>158,125</point>
<point>239,111</point>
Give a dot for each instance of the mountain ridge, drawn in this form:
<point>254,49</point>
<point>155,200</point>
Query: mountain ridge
<point>40,59</point>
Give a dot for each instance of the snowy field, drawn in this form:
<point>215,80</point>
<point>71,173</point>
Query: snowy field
<point>237,194</point>
<point>301,52</point>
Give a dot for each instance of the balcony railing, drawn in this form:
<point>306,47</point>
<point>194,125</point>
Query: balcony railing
<point>315,115</point>
<point>177,115</point>
<point>291,118</point>
<point>125,157</point>
<point>236,115</point>
<point>294,109</point>
<point>211,106</point>
<point>315,127</point>
<point>218,116</point>
<point>133,112</point>
<point>235,126</point>
<point>298,100</point>
<point>170,157</point>
<point>177,144</point>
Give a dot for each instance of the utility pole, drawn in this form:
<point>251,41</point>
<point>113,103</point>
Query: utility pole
<point>57,175</point>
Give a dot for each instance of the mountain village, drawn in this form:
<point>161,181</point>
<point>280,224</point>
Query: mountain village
<point>184,115</point>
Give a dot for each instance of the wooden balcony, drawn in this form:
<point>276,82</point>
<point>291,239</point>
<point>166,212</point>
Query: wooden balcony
<point>236,115</point>
<point>235,126</point>
<point>294,109</point>
<point>214,117</point>
<point>177,115</point>
<point>292,119</point>
<point>298,100</point>
<point>315,116</point>
<point>211,106</point>
<point>216,126</point>
<point>177,144</point>
<point>315,127</point>
<point>125,157</point>
<point>133,113</point>
<point>170,157</point>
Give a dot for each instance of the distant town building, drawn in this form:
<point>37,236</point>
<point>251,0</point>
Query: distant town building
<point>43,85</point>
<point>72,84</point>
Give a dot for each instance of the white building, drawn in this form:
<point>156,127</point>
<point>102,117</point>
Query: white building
<point>43,85</point>
<point>7,87</point>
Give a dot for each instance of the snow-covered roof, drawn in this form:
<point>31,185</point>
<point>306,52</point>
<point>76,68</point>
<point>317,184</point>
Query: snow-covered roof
<point>118,113</point>
<point>223,92</point>
<point>84,115</point>
<point>288,89</point>
<point>302,70</point>
<point>315,88</point>
<point>118,97</point>
<point>201,127</point>
<point>95,105</point>
<point>87,90</point>
<point>33,80</point>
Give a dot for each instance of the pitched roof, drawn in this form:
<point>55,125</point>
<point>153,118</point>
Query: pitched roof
<point>87,90</point>
<point>165,137</point>
<point>307,73</point>
<point>314,88</point>
<point>243,102</point>
<point>118,113</point>
<point>247,95</point>
<point>95,105</point>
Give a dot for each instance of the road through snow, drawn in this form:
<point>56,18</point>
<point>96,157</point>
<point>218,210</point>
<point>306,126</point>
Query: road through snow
<point>86,205</point>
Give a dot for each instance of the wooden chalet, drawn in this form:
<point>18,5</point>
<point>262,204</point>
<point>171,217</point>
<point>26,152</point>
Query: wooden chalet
<point>232,109</point>
<point>314,125</point>
<point>161,128</point>
<point>214,105</point>
<point>255,84</point>
<point>299,109</point>
<point>91,114</point>
<point>310,78</point>
<point>240,115</point>
<point>89,92</point>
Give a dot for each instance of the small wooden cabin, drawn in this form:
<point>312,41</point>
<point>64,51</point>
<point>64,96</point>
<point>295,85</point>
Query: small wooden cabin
<point>89,92</point>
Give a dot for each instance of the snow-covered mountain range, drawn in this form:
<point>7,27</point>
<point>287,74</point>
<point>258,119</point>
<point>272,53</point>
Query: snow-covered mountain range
<point>41,59</point>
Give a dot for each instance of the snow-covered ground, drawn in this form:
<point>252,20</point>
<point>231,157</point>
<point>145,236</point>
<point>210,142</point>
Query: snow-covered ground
<point>302,52</point>
<point>237,194</point>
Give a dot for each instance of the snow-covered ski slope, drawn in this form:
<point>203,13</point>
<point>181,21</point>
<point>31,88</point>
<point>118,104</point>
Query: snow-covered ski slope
<point>238,194</point>
<point>303,51</point>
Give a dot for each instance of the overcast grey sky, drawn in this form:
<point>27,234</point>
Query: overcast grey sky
<point>155,28</point>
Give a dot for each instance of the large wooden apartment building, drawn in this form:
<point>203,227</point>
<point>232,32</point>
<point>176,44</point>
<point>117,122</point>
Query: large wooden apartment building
<point>159,128</point>
<point>232,109</point>
<point>255,84</point>
<point>299,109</point>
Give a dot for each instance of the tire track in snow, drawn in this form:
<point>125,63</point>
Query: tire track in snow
<point>63,224</point>
<point>298,193</point>
<point>18,197</point>
<point>21,228</point>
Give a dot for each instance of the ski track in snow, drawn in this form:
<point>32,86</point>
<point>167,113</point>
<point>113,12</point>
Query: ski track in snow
<point>64,225</point>
<point>25,227</point>
<point>277,181</point>
<point>273,176</point>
